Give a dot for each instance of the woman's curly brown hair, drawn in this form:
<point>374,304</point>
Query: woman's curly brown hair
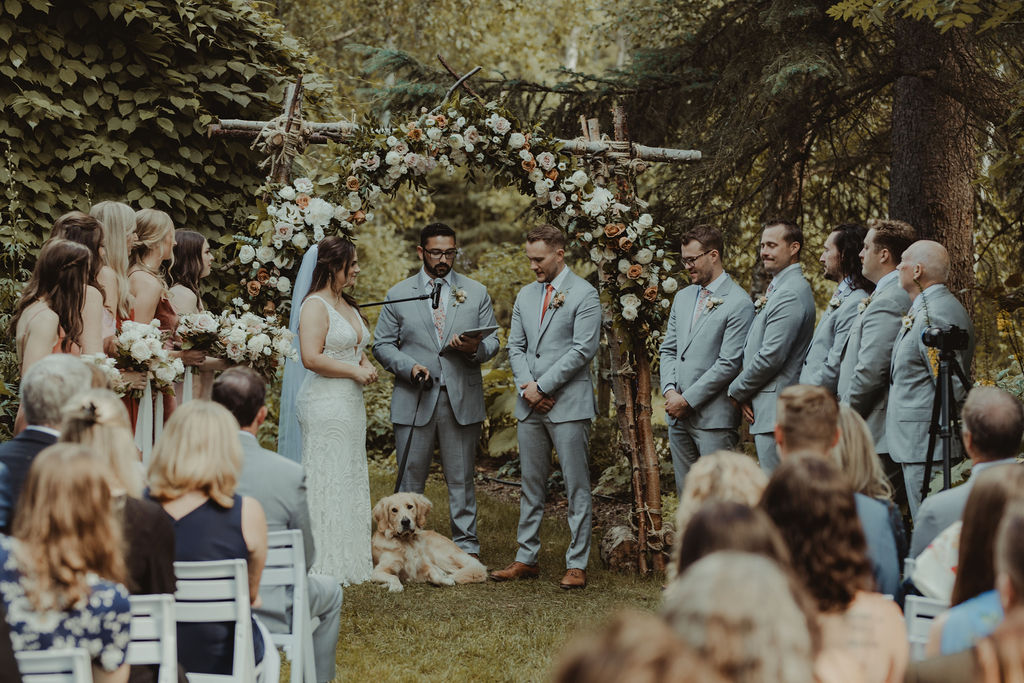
<point>814,508</point>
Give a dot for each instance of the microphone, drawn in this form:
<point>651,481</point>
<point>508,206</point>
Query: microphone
<point>435,296</point>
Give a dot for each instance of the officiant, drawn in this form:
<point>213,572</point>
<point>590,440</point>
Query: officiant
<point>434,347</point>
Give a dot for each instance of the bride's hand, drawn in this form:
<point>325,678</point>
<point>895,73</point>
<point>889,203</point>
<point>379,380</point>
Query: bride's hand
<point>366,375</point>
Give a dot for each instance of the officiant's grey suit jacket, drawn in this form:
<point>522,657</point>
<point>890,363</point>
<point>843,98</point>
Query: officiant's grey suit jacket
<point>700,361</point>
<point>912,391</point>
<point>405,336</point>
<point>775,348</point>
<point>864,370</point>
<point>821,366</point>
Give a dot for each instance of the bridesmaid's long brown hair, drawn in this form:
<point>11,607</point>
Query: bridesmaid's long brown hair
<point>59,279</point>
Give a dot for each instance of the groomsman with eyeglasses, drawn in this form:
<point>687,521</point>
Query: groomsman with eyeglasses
<point>418,341</point>
<point>702,352</point>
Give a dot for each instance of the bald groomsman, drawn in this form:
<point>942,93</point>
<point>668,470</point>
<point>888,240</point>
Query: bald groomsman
<point>701,354</point>
<point>841,263</point>
<point>864,370</point>
<point>914,368</point>
<point>778,337</point>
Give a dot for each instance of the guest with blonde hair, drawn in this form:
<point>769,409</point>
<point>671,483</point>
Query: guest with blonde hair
<point>738,612</point>
<point>118,223</point>
<point>193,475</point>
<point>722,475</point>
<point>856,457</point>
<point>61,571</point>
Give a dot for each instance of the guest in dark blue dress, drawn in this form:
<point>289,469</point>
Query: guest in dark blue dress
<point>60,573</point>
<point>193,476</point>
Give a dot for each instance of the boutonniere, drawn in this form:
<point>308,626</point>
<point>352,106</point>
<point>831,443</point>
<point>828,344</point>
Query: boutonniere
<point>862,306</point>
<point>458,297</point>
<point>713,302</point>
<point>908,321</point>
<point>557,300</point>
<point>759,303</point>
<point>833,303</point>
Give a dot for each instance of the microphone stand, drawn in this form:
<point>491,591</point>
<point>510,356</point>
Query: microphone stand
<point>421,297</point>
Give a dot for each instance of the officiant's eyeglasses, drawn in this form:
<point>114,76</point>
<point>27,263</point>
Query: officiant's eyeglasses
<point>449,254</point>
<point>688,262</point>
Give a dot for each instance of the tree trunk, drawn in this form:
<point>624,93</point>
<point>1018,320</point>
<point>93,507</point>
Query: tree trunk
<point>648,459</point>
<point>933,148</point>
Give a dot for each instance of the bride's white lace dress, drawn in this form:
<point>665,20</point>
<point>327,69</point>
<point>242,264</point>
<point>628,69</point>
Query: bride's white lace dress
<point>332,418</point>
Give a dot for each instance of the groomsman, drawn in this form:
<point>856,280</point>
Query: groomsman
<point>864,369</point>
<point>420,340</point>
<point>556,327</point>
<point>914,367</point>
<point>778,337</point>
<point>841,263</point>
<point>701,354</point>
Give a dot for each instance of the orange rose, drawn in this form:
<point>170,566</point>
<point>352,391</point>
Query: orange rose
<point>302,200</point>
<point>625,243</point>
<point>529,164</point>
<point>635,271</point>
<point>269,308</point>
<point>441,121</point>
<point>352,183</point>
<point>358,217</point>
<point>612,230</point>
<point>253,287</point>
<point>262,275</point>
<point>415,134</point>
<point>651,293</point>
<point>552,174</point>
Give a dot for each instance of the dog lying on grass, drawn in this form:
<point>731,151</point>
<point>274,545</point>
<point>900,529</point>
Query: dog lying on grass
<point>404,551</point>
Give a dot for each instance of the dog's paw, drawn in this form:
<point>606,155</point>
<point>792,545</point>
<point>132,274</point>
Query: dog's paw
<point>396,587</point>
<point>447,581</point>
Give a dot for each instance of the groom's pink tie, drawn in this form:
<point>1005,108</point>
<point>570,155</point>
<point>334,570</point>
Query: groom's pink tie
<point>547,299</point>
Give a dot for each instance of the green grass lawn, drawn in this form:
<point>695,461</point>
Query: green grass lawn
<point>479,632</point>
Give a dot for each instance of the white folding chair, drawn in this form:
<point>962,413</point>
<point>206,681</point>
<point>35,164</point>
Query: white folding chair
<point>908,567</point>
<point>218,591</point>
<point>919,613</point>
<point>154,636</point>
<point>70,665</point>
<point>286,567</point>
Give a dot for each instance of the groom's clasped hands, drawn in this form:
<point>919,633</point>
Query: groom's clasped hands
<point>538,400</point>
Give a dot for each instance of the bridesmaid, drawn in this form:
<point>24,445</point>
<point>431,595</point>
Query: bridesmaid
<point>86,230</point>
<point>118,223</point>
<point>191,263</point>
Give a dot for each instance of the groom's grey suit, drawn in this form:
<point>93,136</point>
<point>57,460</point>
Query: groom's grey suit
<point>556,353</point>
<point>451,414</point>
<point>699,360</point>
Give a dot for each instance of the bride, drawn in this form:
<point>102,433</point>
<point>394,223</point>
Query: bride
<point>331,415</point>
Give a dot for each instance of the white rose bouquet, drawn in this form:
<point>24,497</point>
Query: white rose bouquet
<point>139,347</point>
<point>108,366</point>
<point>198,331</point>
<point>255,341</point>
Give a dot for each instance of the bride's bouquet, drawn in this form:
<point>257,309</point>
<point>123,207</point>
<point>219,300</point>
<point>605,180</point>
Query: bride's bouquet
<point>255,341</point>
<point>199,331</point>
<point>139,347</point>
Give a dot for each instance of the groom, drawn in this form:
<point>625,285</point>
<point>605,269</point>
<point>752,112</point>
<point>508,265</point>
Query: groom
<point>416,340</point>
<point>556,328</point>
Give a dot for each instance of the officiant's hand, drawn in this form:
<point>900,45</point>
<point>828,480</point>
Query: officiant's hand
<point>466,344</point>
<point>417,370</point>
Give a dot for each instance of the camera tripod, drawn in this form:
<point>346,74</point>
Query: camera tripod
<point>945,420</point>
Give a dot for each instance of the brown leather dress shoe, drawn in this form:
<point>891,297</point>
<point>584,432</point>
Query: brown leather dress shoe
<point>516,570</point>
<point>574,578</point>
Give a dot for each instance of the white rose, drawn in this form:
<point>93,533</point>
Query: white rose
<point>586,237</point>
<point>595,255</point>
<point>156,346</point>
<point>284,285</point>
<point>283,231</point>
<point>669,285</point>
<point>140,351</point>
<point>629,300</point>
<point>258,342</point>
<point>644,256</point>
<point>237,335</point>
<point>557,199</point>
<point>660,253</point>
<point>392,158</point>
<point>629,313</point>
<point>265,254</point>
<point>319,212</point>
<point>501,126</point>
<point>645,220</point>
<point>246,254</point>
<point>300,241</point>
<point>540,188</point>
<point>535,176</point>
<point>303,185</point>
<point>392,141</point>
<point>546,160</point>
<point>318,233</point>
<point>456,141</point>
<point>516,140</point>
<point>287,193</point>
<point>434,134</point>
<point>665,303</point>
<point>579,178</point>
<point>624,266</point>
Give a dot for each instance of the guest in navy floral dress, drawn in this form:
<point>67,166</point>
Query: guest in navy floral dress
<point>61,570</point>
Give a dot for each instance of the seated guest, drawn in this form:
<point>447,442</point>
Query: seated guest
<point>193,475</point>
<point>280,487</point>
<point>736,610</point>
<point>45,388</point>
<point>814,509</point>
<point>807,421</point>
<point>634,646</point>
<point>976,607</point>
<point>992,425</point>
<point>60,573</point>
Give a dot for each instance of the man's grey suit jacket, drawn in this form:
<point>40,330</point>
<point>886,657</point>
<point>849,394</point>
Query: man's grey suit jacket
<point>557,355</point>
<point>864,370</point>
<point>775,348</point>
<point>821,366</point>
<point>405,336</point>
<point>913,372</point>
<point>700,361</point>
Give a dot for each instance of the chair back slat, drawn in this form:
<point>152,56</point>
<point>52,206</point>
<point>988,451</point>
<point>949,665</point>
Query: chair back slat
<point>71,665</point>
<point>919,613</point>
<point>286,567</point>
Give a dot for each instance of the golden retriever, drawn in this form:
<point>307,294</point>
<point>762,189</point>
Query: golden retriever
<point>404,551</point>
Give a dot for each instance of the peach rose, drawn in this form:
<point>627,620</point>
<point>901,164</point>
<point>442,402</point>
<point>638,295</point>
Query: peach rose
<point>415,134</point>
<point>262,275</point>
<point>612,230</point>
<point>302,200</point>
<point>352,183</point>
<point>269,308</point>
<point>625,243</point>
<point>635,271</point>
<point>552,174</point>
<point>359,217</point>
<point>651,293</point>
<point>253,287</point>
<point>528,164</point>
<point>441,121</point>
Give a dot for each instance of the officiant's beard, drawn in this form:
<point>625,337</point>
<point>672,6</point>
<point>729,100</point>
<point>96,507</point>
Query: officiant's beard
<point>439,269</point>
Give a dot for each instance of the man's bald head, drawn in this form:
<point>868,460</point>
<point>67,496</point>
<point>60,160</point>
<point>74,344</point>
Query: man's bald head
<point>925,263</point>
<point>993,424</point>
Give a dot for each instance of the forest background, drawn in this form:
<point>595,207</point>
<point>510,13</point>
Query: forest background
<point>817,111</point>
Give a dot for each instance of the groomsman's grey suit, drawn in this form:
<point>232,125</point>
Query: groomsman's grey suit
<point>773,355</point>
<point>280,487</point>
<point>864,370</point>
<point>821,367</point>
<point>452,409</point>
<point>699,359</point>
<point>914,377</point>
<point>556,353</point>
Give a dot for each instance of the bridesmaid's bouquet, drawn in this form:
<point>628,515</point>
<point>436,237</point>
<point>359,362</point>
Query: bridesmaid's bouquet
<point>255,341</point>
<point>199,331</point>
<point>140,347</point>
<point>108,367</point>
